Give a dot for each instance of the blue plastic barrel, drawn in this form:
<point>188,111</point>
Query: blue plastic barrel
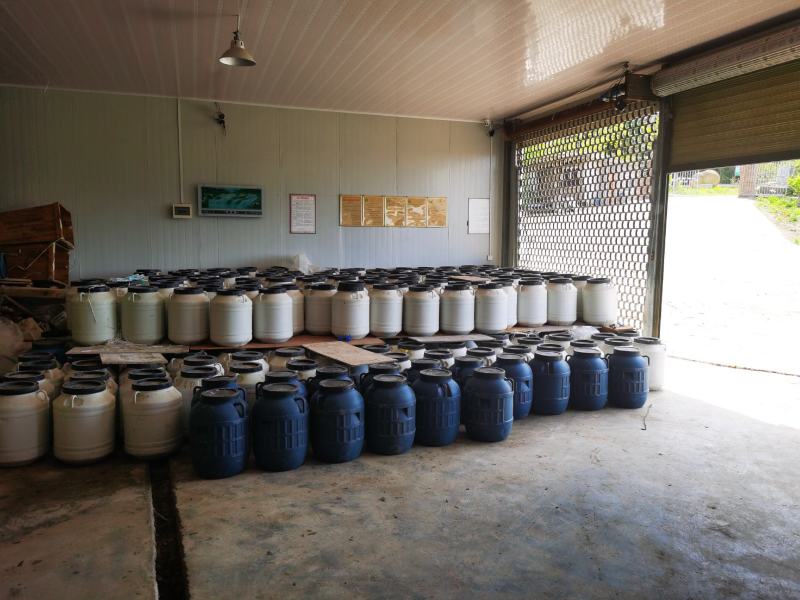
<point>488,405</point>
<point>518,371</point>
<point>438,407</point>
<point>550,382</point>
<point>418,365</point>
<point>627,378</point>
<point>391,415</point>
<point>287,377</point>
<point>280,427</point>
<point>325,372</point>
<point>218,433</point>
<point>384,368</point>
<point>588,379</point>
<point>337,422</point>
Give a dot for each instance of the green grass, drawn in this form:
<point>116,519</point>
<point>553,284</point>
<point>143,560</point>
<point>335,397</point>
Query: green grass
<point>785,210</point>
<point>705,191</point>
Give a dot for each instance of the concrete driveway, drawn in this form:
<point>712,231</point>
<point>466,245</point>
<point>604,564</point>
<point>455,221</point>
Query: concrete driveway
<point>731,285</point>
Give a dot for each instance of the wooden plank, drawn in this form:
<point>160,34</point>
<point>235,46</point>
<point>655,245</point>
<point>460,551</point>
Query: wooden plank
<point>132,358</point>
<point>470,278</point>
<point>128,348</point>
<point>298,340</point>
<point>347,354</point>
<point>438,339</point>
<point>32,292</point>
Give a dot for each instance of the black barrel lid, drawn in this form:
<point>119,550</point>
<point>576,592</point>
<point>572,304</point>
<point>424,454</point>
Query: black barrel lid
<point>440,354</point>
<point>203,372</point>
<point>331,371</point>
<point>220,394</point>
<point>455,286</point>
<point>79,387</point>
<point>398,356</point>
<point>602,336</point>
<point>149,373</point>
<point>142,289</point>
<point>436,374</point>
<point>189,291</point>
<point>560,280</point>
<point>322,286</point>
<point>647,340</point>
<point>377,348</point>
<point>546,347</point>
<point>86,365</point>
<point>195,360</point>
<point>453,345</point>
<point>34,355</point>
<point>516,349</point>
<point>275,289</point>
<point>492,285</point>
<point>290,351</point>
<point>530,339</point>
<point>490,344</point>
<point>627,351</point>
<point>93,289</point>
<point>411,345</point>
<point>280,389</point>
<point>587,351</point>
<point>384,367</point>
<point>17,388</point>
<point>301,364</point>
<point>231,292</point>
<point>246,367</point>
<point>598,280</point>
<point>118,283</point>
<point>152,385</point>
<point>390,380</point>
<point>385,286</point>
<point>281,376</point>
<point>468,360</point>
<point>546,355</point>
<point>351,286</point>
<point>617,341</point>
<point>336,385</point>
<point>247,356</point>
<point>490,373</point>
<point>560,337</point>
<point>583,344</point>
<point>101,374</point>
<point>23,376</point>
<point>38,365</point>
<point>507,357</point>
<point>580,278</point>
<point>480,352</point>
<point>527,282</point>
<point>421,364</point>
<point>420,288</point>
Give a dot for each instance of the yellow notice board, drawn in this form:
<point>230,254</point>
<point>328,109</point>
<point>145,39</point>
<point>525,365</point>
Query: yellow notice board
<point>396,211</point>
<point>416,212</point>
<point>350,211</point>
<point>437,212</point>
<point>373,211</point>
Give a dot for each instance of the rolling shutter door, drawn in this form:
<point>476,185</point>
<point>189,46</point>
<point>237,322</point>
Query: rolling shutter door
<point>747,119</point>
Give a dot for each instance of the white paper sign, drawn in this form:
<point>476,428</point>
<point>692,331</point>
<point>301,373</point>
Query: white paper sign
<point>479,215</point>
<point>302,213</point>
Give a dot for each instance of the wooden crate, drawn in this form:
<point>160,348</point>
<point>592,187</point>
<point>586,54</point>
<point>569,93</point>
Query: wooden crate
<point>39,224</point>
<point>47,261</point>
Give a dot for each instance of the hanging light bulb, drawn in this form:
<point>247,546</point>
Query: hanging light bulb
<point>237,55</point>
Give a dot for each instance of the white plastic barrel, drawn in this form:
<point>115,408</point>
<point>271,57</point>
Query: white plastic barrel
<point>187,311</point>
<point>532,303</point>
<point>143,315</point>
<point>457,309</point>
<point>273,315</point>
<point>562,301</point>
<point>279,358</point>
<point>188,379</point>
<point>38,376</point>
<point>248,375</point>
<point>83,422</point>
<point>231,318</point>
<point>318,308</point>
<point>243,356</point>
<point>298,313</point>
<point>600,302</point>
<point>350,310</point>
<point>152,419</point>
<point>118,289</point>
<point>579,281</point>
<point>93,315</point>
<point>385,310</point>
<point>491,308</point>
<point>24,422</point>
<point>421,310</point>
<point>511,301</point>
<point>656,353</point>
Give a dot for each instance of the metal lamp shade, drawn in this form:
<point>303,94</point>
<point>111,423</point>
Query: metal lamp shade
<point>237,55</point>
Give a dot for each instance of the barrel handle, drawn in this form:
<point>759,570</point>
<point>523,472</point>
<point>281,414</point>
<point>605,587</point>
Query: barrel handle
<point>134,295</point>
<point>195,395</point>
<point>648,359</point>
<point>446,389</point>
<point>569,357</point>
<point>259,385</point>
<point>513,385</point>
<point>240,403</point>
<point>71,401</point>
<point>43,396</point>
<point>135,395</point>
<point>361,379</point>
<point>300,400</point>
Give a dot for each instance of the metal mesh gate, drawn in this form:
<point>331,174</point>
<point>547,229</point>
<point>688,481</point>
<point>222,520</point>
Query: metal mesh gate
<point>584,190</point>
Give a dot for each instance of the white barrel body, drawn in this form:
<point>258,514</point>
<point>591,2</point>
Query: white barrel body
<point>187,321</point>
<point>511,304</point>
<point>580,285</point>
<point>421,312</point>
<point>273,317</point>
<point>93,318</point>
<point>600,303</point>
<point>24,427</point>
<point>298,314</point>
<point>119,294</point>
<point>248,382</point>
<point>153,422</point>
<point>83,426</point>
<point>656,353</point>
<point>317,308</point>
<point>491,310</point>
<point>142,317</point>
<point>230,320</point>
<point>457,311</point>
<point>562,303</point>
<point>532,305</point>
<point>350,314</point>
<point>385,312</point>
<point>277,362</point>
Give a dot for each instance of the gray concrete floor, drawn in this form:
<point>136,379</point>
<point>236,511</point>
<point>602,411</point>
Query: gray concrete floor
<point>701,504</point>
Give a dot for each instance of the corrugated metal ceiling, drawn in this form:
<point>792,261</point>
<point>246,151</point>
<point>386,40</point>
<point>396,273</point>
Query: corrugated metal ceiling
<point>457,59</point>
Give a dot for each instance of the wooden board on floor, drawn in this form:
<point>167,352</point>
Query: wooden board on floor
<point>298,340</point>
<point>440,339</point>
<point>128,348</point>
<point>132,358</point>
<point>347,354</point>
<point>33,292</point>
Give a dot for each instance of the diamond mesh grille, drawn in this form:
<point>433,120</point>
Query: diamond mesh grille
<point>584,200</point>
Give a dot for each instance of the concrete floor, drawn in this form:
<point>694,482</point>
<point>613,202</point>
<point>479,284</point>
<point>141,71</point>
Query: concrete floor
<point>701,504</point>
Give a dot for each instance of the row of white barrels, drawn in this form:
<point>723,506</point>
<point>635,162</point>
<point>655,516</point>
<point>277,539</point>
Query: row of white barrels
<point>352,309</point>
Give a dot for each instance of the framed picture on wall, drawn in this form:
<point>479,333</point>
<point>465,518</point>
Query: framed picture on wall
<point>303,213</point>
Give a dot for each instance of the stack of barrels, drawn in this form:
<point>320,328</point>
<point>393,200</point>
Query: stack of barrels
<point>231,308</point>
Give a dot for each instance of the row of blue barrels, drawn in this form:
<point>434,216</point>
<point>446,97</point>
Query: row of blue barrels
<point>424,405</point>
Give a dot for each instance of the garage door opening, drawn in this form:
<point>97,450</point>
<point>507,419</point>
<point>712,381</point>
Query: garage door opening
<point>731,292</point>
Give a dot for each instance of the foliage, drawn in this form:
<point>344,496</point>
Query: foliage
<point>793,185</point>
<point>716,190</point>
<point>785,210</point>
<point>726,174</point>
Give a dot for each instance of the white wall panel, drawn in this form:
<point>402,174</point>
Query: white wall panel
<point>112,160</point>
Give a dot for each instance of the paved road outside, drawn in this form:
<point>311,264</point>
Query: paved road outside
<point>731,285</point>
